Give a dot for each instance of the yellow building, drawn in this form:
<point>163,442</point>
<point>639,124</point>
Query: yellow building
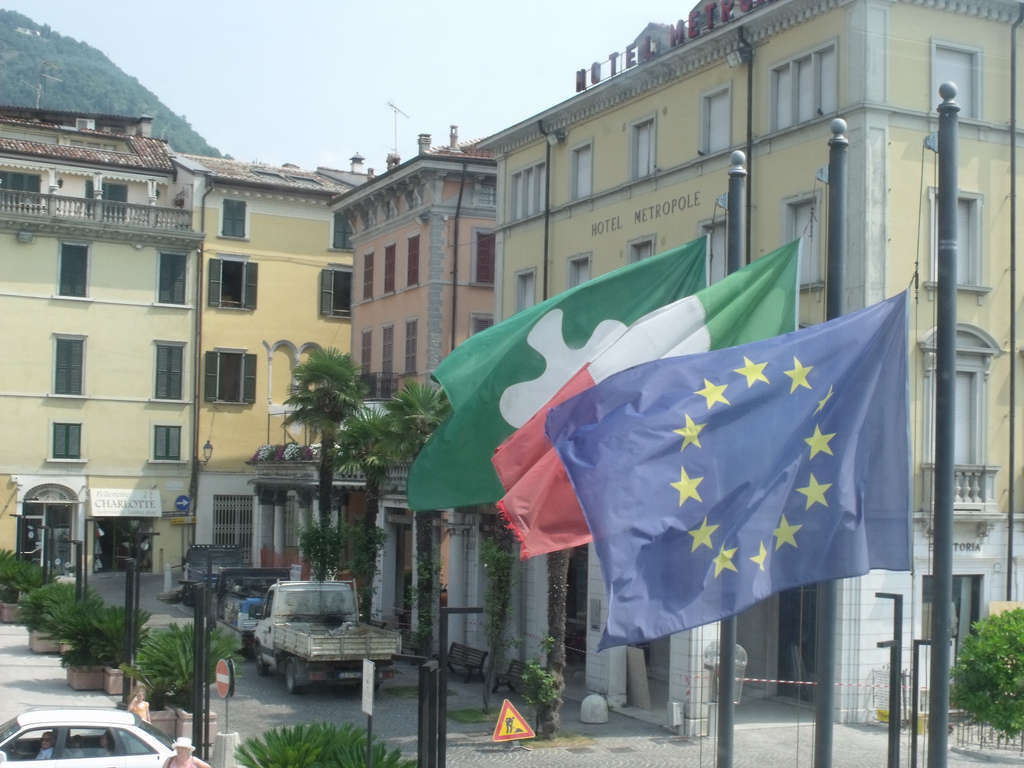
<point>97,313</point>
<point>276,270</point>
<point>636,161</point>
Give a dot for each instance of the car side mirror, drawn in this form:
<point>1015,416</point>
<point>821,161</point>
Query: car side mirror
<point>255,611</point>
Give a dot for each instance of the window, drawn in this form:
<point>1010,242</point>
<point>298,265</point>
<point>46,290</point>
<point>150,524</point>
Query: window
<point>966,607</point>
<point>968,247</point>
<point>342,232</point>
<point>642,149</point>
<point>962,66</point>
<point>483,258</point>
<point>641,249</point>
<point>579,270</point>
<point>481,323</point>
<point>74,261</point>
<point>411,342</point>
<point>366,350</point>
<point>715,121</point>
<point>582,172</point>
<point>172,279</point>
<point>368,276</point>
<point>412,264</point>
<point>802,222</point>
<point>527,193</point>
<point>166,443</point>
<point>233,218</point>
<point>718,255</point>
<point>387,349</point>
<point>526,289</point>
<point>232,522</point>
<point>805,87</point>
<point>67,440</point>
<point>389,269</point>
<point>21,182</point>
<point>230,377</point>
<point>67,378</point>
<point>486,194</point>
<point>974,351</point>
<point>232,283</point>
<point>132,744</point>
<point>168,371</point>
<point>336,292</point>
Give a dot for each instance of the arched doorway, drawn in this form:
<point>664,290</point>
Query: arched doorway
<point>45,527</point>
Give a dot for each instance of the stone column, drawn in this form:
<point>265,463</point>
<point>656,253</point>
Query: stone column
<point>456,527</point>
<point>257,531</point>
<point>279,502</point>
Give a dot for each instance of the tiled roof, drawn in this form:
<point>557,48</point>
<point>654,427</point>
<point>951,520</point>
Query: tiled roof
<point>465,149</point>
<point>144,153</point>
<point>257,174</point>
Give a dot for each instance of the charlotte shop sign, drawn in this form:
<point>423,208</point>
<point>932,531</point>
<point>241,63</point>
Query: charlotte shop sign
<point>702,20</point>
<point>644,214</point>
<point>124,502</point>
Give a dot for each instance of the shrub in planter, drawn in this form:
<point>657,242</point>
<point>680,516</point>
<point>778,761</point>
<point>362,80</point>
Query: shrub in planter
<point>37,606</point>
<point>73,625</point>
<point>165,659</point>
<point>17,577</point>
<point>310,745</point>
<point>988,676</point>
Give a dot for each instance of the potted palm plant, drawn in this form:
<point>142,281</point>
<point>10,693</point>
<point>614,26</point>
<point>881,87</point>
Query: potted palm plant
<point>164,664</point>
<point>17,577</point>
<point>109,644</point>
<point>35,612</point>
<point>74,626</point>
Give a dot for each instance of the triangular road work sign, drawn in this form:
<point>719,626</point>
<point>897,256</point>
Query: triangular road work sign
<point>511,725</point>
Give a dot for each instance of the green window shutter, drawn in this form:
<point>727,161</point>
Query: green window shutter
<point>249,379</point>
<point>172,278</point>
<point>213,283</point>
<point>174,443</point>
<point>89,189</point>
<point>326,291</point>
<point>60,441</point>
<point>76,367</point>
<point>174,373</point>
<point>63,366</point>
<point>73,259</point>
<point>251,279</point>
<point>210,382</point>
<point>162,369</point>
<point>74,441</point>
<point>234,218</point>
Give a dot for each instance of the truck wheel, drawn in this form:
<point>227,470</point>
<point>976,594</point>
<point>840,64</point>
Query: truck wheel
<point>262,668</point>
<point>291,676</point>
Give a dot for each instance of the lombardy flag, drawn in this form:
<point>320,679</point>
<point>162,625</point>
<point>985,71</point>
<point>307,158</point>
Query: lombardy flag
<point>712,481</point>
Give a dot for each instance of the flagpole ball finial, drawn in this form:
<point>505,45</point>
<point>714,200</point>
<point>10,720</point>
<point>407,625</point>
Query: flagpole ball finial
<point>737,160</point>
<point>838,127</point>
<point>948,91</point>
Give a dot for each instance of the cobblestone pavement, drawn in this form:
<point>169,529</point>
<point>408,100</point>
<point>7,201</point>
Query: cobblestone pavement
<point>27,679</point>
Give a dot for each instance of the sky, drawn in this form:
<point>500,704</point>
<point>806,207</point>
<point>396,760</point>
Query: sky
<point>309,81</point>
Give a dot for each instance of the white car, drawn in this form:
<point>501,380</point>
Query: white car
<point>83,738</point>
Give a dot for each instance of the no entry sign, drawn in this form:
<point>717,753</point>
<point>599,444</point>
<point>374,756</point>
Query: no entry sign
<point>225,675</point>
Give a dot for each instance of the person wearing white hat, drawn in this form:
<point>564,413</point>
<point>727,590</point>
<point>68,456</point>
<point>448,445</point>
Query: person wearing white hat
<point>183,755</point>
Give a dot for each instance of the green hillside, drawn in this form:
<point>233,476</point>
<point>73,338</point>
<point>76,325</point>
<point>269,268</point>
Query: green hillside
<point>77,77</point>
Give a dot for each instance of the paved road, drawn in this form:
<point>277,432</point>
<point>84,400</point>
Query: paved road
<point>260,703</point>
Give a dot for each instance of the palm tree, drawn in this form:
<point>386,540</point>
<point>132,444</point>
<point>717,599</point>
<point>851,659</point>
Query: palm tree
<point>326,389</point>
<point>417,410</point>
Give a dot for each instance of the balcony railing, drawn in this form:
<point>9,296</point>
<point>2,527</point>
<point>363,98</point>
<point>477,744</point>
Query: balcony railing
<point>974,487</point>
<point>37,204</point>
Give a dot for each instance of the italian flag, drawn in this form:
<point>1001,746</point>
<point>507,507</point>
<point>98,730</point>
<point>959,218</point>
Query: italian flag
<point>754,303</point>
<point>496,380</point>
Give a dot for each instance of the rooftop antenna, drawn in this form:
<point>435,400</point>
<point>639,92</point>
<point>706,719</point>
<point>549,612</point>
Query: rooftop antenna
<point>394,108</point>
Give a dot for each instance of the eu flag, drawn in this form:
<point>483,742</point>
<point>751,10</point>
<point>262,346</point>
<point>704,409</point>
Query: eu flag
<point>712,481</point>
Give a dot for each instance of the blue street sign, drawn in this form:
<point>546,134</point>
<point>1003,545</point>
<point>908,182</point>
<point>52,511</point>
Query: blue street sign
<point>182,503</point>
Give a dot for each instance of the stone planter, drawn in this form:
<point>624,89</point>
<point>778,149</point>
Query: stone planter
<point>8,613</point>
<point>85,678</point>
<point>165,720</point>
<point>40,643</point>
<point>113,681</point>
<point>185,724</point>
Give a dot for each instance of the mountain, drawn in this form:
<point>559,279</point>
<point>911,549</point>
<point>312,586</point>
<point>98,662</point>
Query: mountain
<point>69,75</point>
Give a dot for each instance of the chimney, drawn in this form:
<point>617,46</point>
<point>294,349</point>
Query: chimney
<point>393,160</point>
<point>145,127</point>
<point>369,173</point>
<point>424,143</point>
<point>453,139</point>
<point>357,163</point>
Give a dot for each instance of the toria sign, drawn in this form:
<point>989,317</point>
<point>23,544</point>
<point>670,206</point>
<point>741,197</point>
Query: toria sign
<point>124,502</point>
<point>702,20</point>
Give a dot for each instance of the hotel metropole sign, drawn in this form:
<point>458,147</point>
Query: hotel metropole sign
<point>702,19</point>
<point>646,213</point>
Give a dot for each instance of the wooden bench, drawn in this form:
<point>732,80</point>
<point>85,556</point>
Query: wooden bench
<point>470,659</point>
<point>513,677</point>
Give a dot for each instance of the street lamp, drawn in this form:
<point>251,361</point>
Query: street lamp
<point>207,452</point>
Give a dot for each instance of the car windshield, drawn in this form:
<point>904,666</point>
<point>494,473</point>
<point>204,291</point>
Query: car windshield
<point>8,729</point>
<point>156,733</point>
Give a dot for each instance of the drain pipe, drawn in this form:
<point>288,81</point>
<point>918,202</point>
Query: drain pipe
<point>1013,292</point>
<point>746,46</point>
<point>455,250</point>
<point>193,483</point>
<point>547,207</point>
